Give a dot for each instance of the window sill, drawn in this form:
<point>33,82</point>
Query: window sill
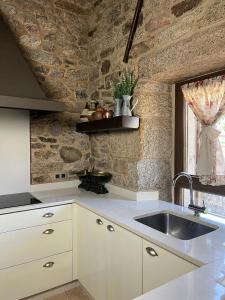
<point>213,218</point>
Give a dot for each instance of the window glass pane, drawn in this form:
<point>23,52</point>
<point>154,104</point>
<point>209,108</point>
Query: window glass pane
<point>192,132</point>
<point>215,204</point>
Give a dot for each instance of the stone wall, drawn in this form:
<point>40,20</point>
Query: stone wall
<point>75,49</point>
<point>53,36</point>
<point>175,40</point>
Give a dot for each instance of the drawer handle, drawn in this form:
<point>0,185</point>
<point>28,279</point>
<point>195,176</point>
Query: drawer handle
<point>99,222</point>
<point>151,251</point>
<point>48,231</point>
<point>48,215</point>
<point>110,228</point>
<point>49,264</point>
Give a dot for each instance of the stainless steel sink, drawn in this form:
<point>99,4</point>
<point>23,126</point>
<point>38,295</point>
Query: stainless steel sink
<point>177,226</point>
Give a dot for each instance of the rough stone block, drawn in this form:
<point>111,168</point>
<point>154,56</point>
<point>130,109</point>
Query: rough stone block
<point>199,53</point>
<point>44,154</point>
<point>156,138</point>
<point>154,105</point>
<point>214,12</point>
<point>105,66</point>
<point>70,154</point>
<point>106,52</point>
<point>120,166</point>
<point>154,174</point>
<point>182,7</point>
<point>125,144</point>
<point>30,41</point>
<point>47,140</point>
<point>139,49</point>
<point>79,10</point>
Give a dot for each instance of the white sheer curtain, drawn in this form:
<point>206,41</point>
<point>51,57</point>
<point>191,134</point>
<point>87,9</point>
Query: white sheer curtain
<point>207,100</point>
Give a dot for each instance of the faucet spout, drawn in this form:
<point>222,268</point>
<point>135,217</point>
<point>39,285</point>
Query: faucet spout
<point>190,181</point>
<point>197,209</point>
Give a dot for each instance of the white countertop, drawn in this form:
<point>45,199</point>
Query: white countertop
<point>207,250</point>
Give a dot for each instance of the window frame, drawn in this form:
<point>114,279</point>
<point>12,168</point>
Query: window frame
<point>179,143</point>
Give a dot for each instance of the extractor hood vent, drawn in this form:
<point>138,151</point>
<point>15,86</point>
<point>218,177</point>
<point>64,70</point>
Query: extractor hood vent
<point>18,86</point>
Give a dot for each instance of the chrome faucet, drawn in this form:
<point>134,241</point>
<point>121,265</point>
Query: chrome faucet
<point>197,209</point>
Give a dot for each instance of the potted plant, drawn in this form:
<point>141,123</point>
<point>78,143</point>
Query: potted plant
<point>127,86</point>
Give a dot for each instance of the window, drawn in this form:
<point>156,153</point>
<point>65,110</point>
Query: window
<point>187,129</point>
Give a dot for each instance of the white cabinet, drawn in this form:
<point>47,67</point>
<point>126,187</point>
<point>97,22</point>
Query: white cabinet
<point>161,266</point>
<point>35,251</point>
<point>114,263</point>
<point>43,248</point>
<point>109,258</point>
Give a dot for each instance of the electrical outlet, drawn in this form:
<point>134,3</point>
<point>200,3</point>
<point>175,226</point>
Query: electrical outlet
<point>60,176</point>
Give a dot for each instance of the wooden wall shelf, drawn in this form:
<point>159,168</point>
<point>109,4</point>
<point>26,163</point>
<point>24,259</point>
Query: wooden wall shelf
<point>112,124</point>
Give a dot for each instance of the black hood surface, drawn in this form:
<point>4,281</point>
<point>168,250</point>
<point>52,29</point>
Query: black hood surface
<point>18,86</point>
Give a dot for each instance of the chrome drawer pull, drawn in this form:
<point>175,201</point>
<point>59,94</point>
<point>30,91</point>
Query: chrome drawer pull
<point>99,222</point>
<point>48,215</point>
<point>48,231</point>
<point>110,228</point>
<point>151,251</point>
<point>48,264</point>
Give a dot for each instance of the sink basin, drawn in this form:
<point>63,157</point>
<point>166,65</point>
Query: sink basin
<point>177,226</point>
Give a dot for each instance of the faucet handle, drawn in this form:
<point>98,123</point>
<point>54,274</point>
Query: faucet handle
<point>205,208</point>
<point>198,209</point>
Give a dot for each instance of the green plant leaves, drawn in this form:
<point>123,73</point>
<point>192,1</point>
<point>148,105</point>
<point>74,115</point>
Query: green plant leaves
<point>126,85</point>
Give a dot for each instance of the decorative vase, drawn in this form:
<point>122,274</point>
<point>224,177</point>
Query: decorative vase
<point>126,109</point>
<point>117,110</point>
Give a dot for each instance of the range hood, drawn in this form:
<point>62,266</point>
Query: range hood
<point>18,87</point>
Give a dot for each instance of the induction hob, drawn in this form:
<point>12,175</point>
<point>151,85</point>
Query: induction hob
<point>21,199</point>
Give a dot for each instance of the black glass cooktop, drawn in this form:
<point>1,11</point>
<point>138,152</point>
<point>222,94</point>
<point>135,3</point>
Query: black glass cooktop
<point>21,199</point>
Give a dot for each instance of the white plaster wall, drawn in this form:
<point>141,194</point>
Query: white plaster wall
<point>14,151</point>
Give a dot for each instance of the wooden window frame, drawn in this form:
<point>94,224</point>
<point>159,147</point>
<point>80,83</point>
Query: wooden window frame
<point>179,143</point>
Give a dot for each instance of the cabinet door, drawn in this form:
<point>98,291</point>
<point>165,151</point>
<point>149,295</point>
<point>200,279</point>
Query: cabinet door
<point>124,263</point>
<point>161,266</point>
<point>91,251</point>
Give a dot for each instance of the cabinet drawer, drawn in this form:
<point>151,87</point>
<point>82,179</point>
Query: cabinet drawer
<point>24,245</point>
<point>13,221</point>
<point>35,277</point>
